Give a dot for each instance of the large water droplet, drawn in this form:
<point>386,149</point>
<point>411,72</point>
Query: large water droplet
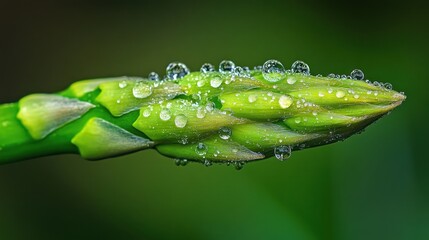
<point>225,133</point>
<point>273,70</point>
<point>165,114</point>
<point>142,90</point>
<point>226,66</point>
<point>153,76</point>
<point>285,101</point>
<point>215,82</point>
<point>177,70</point>
<point>180,121</point>
<point>207,67</point>
<point>300,67</point>
<point>201,149</point>
<point>282,152</point>
<point>357,74</point>
<point>388,86</point>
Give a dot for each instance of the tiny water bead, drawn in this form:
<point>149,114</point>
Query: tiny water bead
<point>181,162</point>
<point>207,67</point>
<point>165,114</point>
<point>226,66</point>
<point>153,76</point>
<point>357,74</point>
<point>300,67</point>
<point>239,71</point>
<point>225,133</point>
<point>238,165</point>
<point>340,94</point>
<point>177,70</point>
<point>282,152</point>
<point>201,113</point>
<point>180,121</point>
<point>273,70</point>
<point>142,90</point>
<point>201,149</point>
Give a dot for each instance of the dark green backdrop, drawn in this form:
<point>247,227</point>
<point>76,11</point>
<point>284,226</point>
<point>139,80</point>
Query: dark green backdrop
<point>372,186</point>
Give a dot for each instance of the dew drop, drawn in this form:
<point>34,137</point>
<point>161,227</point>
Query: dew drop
<point>180,121</point>
<point>165,114</point>
<point>201,113</point>
<point>357,74</point>
<point>142,90</point>
<point>258,68</point>
<point>331,75</point>
<point>153,76</point>
<point>226,66</point>
<point>239,71</point>
<point>285,101</point>
<point>210,106</point>
<point>181,162</point>
<point>388,86</point>
<point>207,163</point>
<point>225,133</point>
<point>123,84</point>
<point>291,80</point>
<point>177,70</point>
<point>252,98</point>
<point>238,165</point>
<point>215,82</point>
<point>282,152</point>
<point>147,112</point>
<point>201,149</point>
<point>207,67</point>
<point>340,94</point>
<point>273,70</point>
<point>300,67</point>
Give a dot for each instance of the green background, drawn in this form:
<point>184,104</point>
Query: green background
<point>372,186</point>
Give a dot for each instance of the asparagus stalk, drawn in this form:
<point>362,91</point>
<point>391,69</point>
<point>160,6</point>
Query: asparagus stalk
<point>233,115</point>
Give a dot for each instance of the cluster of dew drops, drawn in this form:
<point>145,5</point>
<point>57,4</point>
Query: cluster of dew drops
<point>272,71</point>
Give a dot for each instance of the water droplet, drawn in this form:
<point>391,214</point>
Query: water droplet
<point>180,121</point>
<point>291,80</point>
<point>238,71</point>
<point>207,163</point>
<point>177,70</point>
<point>147,112</point>
<point>340,94</point>
<point>343,76</point>
<point>181,162</point>
<point>252,98</point>
<point>210,106</point>
<point>215,82</point>
<point>357,74</point>
<point>258,68</point>
<point>273,70</point>
<point>238,165</point>
<point>285,101</point>
<point>153,76</point>
<point>165,114</point>
<point>142,90</point>
<point>282,152</point>
<point>201,149</point>
<point>226,66</point>
<point>388,86</point>
<point>201,113</point>
<point>207,67</point>
<point>246,69</point>
<point>300,67</point>
<point>356,96</point>
<point>331,75</point>
<point>321,94</point>
<point>225,133</point>
<point>123,84</point>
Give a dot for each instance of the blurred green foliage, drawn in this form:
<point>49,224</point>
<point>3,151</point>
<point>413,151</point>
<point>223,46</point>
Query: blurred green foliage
<point>372,186</point>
